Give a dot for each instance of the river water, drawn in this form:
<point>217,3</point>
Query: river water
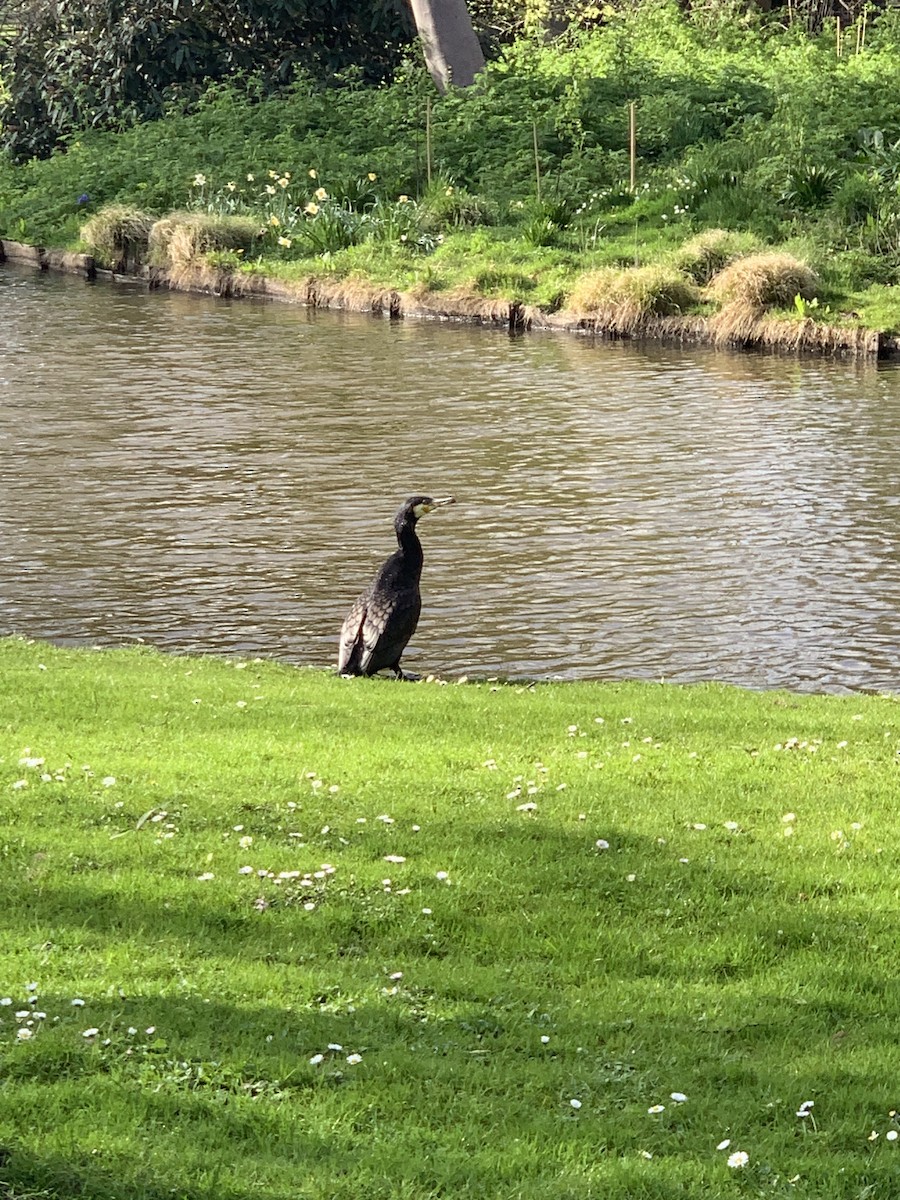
<point>221,476</point>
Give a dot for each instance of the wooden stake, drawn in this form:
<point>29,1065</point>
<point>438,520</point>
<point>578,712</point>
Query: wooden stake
<point>537,161</point>
<point>838,36</point>
<point>428,140</point>
<point>632,146</point>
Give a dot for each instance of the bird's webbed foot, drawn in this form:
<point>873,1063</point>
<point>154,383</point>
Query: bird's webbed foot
<point>408,676</point>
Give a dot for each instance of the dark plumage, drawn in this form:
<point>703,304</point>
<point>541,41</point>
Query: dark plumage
<point>384,618</point>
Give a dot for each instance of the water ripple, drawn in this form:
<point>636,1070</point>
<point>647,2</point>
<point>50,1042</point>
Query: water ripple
<point>216,476</point>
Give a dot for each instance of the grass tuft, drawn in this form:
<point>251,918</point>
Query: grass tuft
<point>180,239</point>
<point>623,299</point>
<point>703,256</point>
<point>118,236</point>
<point>760,281</point>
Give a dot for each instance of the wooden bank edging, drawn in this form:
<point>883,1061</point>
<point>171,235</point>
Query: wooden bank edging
<point>356,296</point>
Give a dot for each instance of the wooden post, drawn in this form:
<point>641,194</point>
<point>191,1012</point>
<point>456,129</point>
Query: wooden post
<point>838,37</point>
<point>428,141</point>
<point>632,147</point>
<point>537,161</point>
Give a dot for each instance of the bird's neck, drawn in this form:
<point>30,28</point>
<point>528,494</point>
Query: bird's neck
<point>409,543</point>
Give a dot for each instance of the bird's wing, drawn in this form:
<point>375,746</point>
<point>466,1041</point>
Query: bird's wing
<point>377,618</point>
<point>352,636</point>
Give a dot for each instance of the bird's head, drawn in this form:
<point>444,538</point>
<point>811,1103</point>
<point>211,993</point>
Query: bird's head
<point>418,506</point>
<point>426,504</point>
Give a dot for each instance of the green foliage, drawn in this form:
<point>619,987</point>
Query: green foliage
<point>756,130</point>
<point>858,197</point>
<point>77,64</point>
<point>810,185</point>
<point>446,206</point>
<point>850,270</point>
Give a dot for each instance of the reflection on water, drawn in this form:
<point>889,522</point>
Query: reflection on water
<point>222,476</point>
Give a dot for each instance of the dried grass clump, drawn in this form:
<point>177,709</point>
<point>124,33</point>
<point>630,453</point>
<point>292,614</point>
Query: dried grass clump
<point>705,255</point>
<point>181,238</point>
<point>764,281</point>
<point>623,300</point>
<point>118,236</point>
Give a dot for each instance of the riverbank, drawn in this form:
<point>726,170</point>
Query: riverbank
<point>618,938</point>
<point>521,201</point>
<point>760,332</point>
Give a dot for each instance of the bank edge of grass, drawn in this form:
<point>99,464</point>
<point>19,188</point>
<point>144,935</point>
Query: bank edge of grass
<point>305,282</point>
<point>749,970</point>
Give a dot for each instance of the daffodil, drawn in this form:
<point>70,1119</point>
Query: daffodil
<point>231,185</point>
<point>321,194</point>
<point>283,181</point>
<point>371,177</point>
<point>313,174</point>
<point>274,221</point>
<point>199,180</point>
<point>286,242</point>
<point>250,177</point>
<point>403,199</point>
<point>311,209</point>
<point>270,191</point>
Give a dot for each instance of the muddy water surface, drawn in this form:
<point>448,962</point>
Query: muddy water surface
<point>221,476</point>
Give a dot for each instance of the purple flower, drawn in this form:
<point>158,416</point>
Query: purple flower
<point>84,198</point>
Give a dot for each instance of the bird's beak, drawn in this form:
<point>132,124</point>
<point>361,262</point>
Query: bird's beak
<point>441,503</point>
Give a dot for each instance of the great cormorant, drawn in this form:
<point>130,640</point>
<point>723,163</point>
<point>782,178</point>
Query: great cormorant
<point>384,618</point>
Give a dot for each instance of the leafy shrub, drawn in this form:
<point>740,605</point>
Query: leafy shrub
<point>399,222</point>
<point>76,64</point>
<point>809,185</point>
<point>446,206</point>
<point>859,196</point>
<point>321,228</point>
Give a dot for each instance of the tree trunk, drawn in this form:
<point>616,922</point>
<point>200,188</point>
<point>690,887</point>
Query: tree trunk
<point>452,52</point>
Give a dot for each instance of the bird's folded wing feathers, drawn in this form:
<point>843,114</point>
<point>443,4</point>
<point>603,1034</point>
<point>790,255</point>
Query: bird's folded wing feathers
<point>350,631</point>
<point>377,616</point>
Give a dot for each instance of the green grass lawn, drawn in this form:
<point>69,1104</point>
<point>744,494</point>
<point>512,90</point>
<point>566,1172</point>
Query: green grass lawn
<point>267,932</point>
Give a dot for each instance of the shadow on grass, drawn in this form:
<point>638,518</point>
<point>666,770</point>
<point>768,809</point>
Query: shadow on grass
<point>739,965</point>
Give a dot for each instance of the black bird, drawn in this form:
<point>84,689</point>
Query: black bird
<point>384,618</point>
